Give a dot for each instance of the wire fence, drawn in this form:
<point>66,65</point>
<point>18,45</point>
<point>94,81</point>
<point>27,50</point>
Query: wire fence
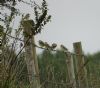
<point>56,73</point>
<point>50,80</point>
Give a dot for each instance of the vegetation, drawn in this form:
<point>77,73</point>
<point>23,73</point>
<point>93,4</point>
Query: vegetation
<point>11,38</point>
<point>53,70</point>
<point>57,73</point>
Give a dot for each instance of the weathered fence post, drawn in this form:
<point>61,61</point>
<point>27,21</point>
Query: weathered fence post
<point>70,68</point>
<point>81,70</point>
<point>31,60</point>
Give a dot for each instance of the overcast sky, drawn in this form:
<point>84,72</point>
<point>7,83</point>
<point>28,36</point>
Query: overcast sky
<point>73,21</point>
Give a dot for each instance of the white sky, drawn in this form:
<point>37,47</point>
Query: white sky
<point>73,21</point>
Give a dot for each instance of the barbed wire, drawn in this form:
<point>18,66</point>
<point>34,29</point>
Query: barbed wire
<point>19,39</point>
<point>82,67</point>
<point>51,50</point>
<point>25,43</point>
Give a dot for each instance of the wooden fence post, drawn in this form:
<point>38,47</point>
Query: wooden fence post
<point>36,72</point>
<point>70,68</point>
<point>31,60</point>
<point>81,70</point>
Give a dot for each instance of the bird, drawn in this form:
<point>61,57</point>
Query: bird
<point>28,27</point>
<point>41,43</point>
<point>47,46</point>
<point>53,46</point>
<point>63,48</point>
